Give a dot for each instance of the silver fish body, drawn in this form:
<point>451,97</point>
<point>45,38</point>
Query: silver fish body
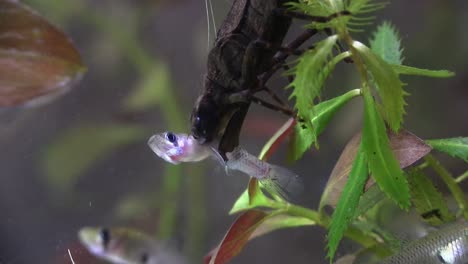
<point>274,178</point>
<point>449,245</point>
<point>126,246</point>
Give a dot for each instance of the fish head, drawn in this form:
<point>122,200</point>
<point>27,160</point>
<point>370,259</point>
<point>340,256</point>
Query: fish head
<point>95,239</point>
<point>176,148</point>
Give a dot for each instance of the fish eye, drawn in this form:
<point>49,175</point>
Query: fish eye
<point>104,234</point>
<point>171,137</point>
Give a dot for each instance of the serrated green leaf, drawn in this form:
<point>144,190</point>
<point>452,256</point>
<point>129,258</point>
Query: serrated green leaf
<point>310,75</point>
<point>383,165</point>
<point>408,70</point>
<point>348,202</point>
<point>73,152</point>
<point>364,6</point>
<point>323,112</point>
<point>455,147</point>
<point>386,43</point>
<point>428,201</point>
<point>388,86</point>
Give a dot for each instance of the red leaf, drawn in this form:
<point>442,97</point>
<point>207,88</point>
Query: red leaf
<point>236,237</point>
<point>36,59</point>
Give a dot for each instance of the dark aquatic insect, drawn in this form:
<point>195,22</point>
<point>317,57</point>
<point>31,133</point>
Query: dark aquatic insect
<point>126,246</point>
<point>244,48</point>
<point>448,245</point>
<point>176,148</point>
<point>246,53</point>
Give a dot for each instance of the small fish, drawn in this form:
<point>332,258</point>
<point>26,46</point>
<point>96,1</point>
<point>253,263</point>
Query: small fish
<point>448,245</point>
<point>176,148</point>
<point>126,246</point>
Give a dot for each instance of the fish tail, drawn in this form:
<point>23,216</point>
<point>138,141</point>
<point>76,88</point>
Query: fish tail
<point>283,182</point>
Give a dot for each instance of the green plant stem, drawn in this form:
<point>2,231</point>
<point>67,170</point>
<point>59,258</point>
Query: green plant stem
<point>169,192</point>
<point>196,220</point>
<point>450,182</point>
<point>323,220</point>
<point>462,177</point>
<point>170,108</point>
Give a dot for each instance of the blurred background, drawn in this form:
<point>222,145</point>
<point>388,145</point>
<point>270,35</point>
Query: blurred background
<point>83,160</point>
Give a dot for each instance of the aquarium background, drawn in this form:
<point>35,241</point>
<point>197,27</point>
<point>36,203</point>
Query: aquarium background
<point>83,160</point>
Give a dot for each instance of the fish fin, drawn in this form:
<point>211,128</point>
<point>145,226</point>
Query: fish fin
<point>283,182</point>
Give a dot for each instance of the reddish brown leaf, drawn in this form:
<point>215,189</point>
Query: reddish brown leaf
<point>407,148</point>
<point>236,237</point>
<point>36,59</point>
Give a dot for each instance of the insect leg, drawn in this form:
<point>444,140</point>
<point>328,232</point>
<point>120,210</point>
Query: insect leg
<point>266,104</point>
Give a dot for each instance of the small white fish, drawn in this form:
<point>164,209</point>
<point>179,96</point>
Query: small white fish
<point>448,245</point>
<point>126,246</point>
<point>176,148</point>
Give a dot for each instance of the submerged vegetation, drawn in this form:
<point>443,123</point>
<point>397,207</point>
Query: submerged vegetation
<point>382,172</point>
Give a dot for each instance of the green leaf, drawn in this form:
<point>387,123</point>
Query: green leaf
<point>383,165</point>
<point>280,221</point>
<point>323,112</point>
<point>364,6</point>
<point>251,198</point>
<point>75,151</point>
<point>408,70</point>
<point>455,147</point>
<point>386,43</point>
<point>150,91</point>
<point>428,201</point>
<point>348,202</point>
<point>388,85</point>
<point>407,148</point>
<point>310,75</point>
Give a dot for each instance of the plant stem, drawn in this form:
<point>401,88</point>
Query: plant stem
<point>170,108</point>
<point>323,220</point>
<point>196,220</point>
<point>462,177</point>
<point>450,182</point>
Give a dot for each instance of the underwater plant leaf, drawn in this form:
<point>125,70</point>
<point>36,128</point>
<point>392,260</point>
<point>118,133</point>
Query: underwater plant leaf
<point>388,85</point>
<point>77,149</point>
<point>236,237</point>
<point>150,91</point>
<point>455,147</point>
<point>386,43</point>
<point>407,148</point>
<point>347,203</point>
<point>38,62</point>
<point>280,221</point>
<point>251,198</point>
<point>310,75</point>
<point>322,114</point>
<point>364,6</point>
<point>428,201</point>
<point>383,164</point>
<point>408,70</point>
